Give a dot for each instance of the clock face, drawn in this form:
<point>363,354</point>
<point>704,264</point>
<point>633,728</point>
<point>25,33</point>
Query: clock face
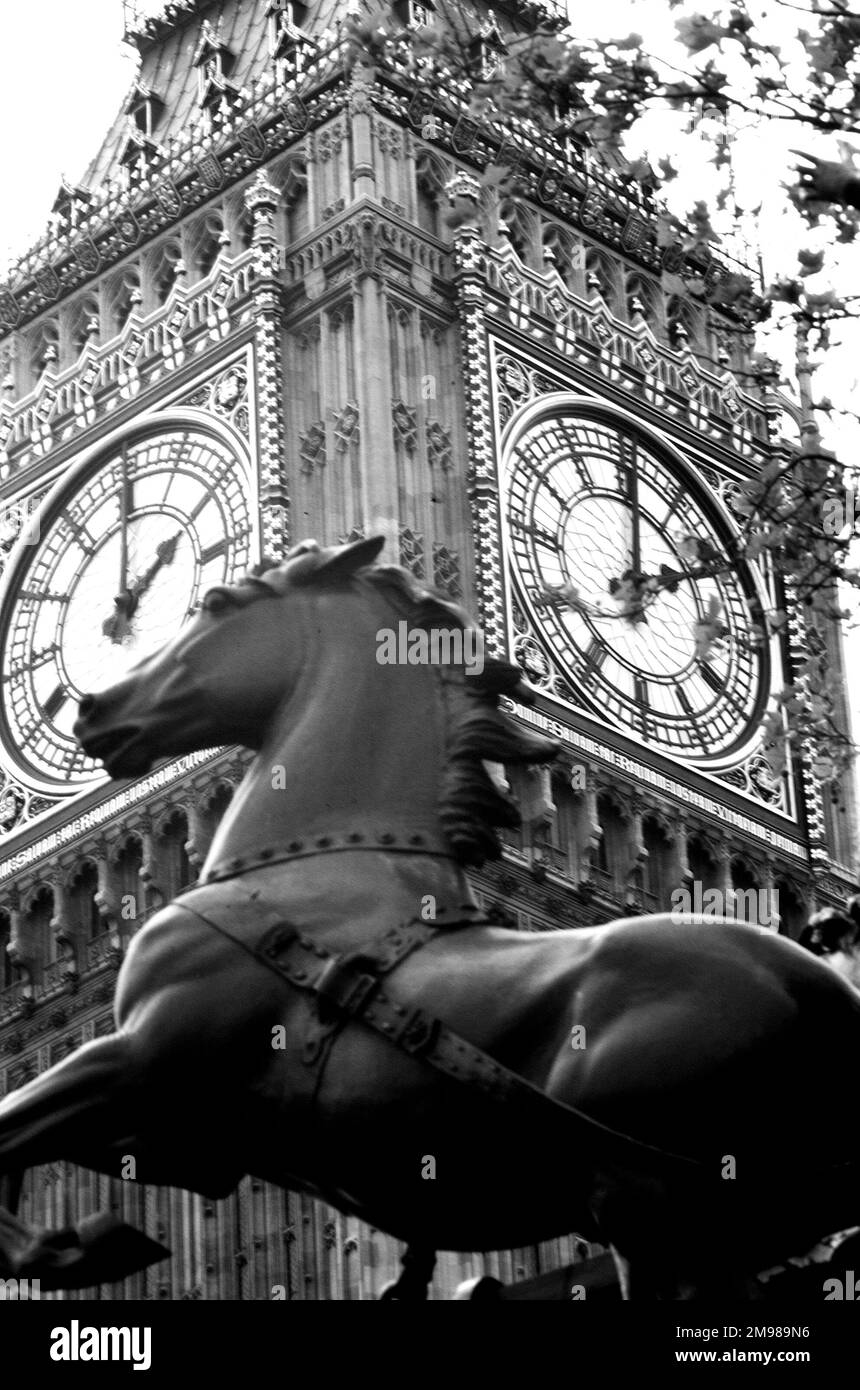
<point>123,557</point>
<point>598,525</point>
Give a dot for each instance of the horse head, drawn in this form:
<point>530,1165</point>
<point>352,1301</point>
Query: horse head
<point>221,676</point>
<point>834,936</point>
<point>289,663</point>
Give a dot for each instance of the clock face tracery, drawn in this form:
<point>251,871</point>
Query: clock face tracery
<point>595,516</point>
<point>122,559</point>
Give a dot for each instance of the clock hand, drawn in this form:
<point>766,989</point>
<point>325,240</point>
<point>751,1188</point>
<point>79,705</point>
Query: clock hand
<point>164,555</point>
<point>634,505</point>
<point>118,626</point>
<point>123,521</point>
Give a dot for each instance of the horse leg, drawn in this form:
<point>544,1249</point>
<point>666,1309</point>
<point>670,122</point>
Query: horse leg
<point>90,1099</point>
<point>10,1189</point>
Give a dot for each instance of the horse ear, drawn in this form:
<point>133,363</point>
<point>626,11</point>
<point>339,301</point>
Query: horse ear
<point>346,559</point>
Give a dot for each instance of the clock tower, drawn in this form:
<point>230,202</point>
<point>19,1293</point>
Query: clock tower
<point>281,303</point>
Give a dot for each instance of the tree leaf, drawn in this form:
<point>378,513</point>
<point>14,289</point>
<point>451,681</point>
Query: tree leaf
<point>696,32</point>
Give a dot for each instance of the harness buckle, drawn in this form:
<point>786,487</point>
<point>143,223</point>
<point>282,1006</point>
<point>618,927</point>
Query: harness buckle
<point>418,1032</point>
<point>342,984</point>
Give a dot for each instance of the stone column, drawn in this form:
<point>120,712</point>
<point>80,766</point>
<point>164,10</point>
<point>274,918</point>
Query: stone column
<point>636,855</point>
<point>724,876</point>
<point>261,200</point>
<point>19,948</point>
<point>589,831</point>
<point>199,832</point>
<point>106,898</point>
<point>771,916</point>
<point>63,930</point>
<point>469,249</point>
<point>683,874</point>
<point>362,172</point>
<point>154,895</point>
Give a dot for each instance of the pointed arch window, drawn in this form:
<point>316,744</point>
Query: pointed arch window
<point>38,923</point>
<point>791,907</point>
<point>7,969</point>
<point>752,901</point>
<point>83,909</point>
<point>178,873</point>
<point>413,15</point>
<point>289,45</point>
<point>657,868</point>
<point>128,862</point>
<point>601,278</point>
<point>214,63</point>
<point>565,251</point>
<point>145,109</point>
<point>643,300</point>
<point>487,53</point>
<point>429,187</point>
<point>70,206</point>
<point>683,322</point>
<point>611,847</point>
<point>704,867</point>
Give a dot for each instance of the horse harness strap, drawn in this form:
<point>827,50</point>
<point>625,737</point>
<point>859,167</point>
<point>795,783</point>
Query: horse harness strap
<point>349,985</point>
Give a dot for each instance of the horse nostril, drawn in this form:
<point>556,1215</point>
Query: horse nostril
<point>87,705</point>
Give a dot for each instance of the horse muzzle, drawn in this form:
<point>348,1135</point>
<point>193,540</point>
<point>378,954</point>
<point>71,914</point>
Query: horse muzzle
<point>118,747</point>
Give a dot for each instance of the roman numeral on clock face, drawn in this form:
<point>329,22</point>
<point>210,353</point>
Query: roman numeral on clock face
<point>213,551</point>
<point>549,486</point>
<point>126,497</point>
<point>640,690</point>
<point>55,702</point>
<point>710,677</point>
<point>694,725</point>
<point>537,533</point>
<point>595,655</point>
<point>81,534</point>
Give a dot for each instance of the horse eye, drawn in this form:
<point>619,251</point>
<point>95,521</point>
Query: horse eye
<point>215,601</point>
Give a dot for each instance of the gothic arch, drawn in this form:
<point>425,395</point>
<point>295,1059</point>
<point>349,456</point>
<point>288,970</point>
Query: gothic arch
<point>564,249</point>
<point>7,965</point>
<point>792,903</point>
<point>82,885</point>
<point>43,349</point>
<point>643,300</point>
<point>602,277</point>
<point>523,232</point>
<point>174,865</point>
<point>431,176</point>
<point>162,266</point>
<point>204,238</point>
<point>122,295</point>
<point>684,321</point>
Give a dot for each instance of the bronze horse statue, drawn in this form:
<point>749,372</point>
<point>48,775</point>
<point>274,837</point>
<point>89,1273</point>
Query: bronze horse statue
<point>331,1011</point>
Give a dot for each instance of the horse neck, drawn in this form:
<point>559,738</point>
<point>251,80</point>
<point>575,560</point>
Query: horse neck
<point>357,749</point>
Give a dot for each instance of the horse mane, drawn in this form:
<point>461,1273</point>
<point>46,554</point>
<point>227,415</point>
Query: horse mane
<point>471,803</point>
<point>830,930</point>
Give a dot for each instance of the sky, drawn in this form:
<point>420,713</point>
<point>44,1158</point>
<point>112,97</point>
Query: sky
<point>68,71</point>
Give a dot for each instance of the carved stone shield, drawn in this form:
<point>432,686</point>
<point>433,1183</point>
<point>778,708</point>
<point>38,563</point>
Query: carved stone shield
<point>87,255</point>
